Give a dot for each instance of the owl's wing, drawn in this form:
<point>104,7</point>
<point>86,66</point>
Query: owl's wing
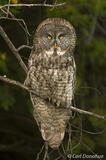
<point>31,62</point>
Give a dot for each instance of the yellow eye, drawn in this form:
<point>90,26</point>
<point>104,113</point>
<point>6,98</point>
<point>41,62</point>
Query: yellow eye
<point>49,37</point>
<point>61,37</point>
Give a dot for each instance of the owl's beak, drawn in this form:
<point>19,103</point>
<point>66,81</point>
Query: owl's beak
<point>55,45</point>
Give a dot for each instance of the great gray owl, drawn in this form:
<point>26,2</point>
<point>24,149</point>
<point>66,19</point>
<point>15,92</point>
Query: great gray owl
<point>51,75</point>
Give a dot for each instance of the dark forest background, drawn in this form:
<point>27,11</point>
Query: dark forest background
<point>20,138</point>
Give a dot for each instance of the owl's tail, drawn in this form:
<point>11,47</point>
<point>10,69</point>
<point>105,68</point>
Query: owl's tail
<point>54,138</point>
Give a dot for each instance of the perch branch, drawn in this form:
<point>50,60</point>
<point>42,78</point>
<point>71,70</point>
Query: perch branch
<point>87,113</point>
<point>5,79</point>
<point>32,5</point>
<point>31,91</point>
<point>12,48</point>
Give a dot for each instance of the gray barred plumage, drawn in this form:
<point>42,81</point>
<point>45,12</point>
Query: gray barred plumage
<point>51,74</point>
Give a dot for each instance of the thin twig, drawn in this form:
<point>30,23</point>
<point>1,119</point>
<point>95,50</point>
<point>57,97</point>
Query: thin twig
<point>9,1</point>
<point>45,1</point>
<point>58,158</point>
<point>89,149</point>
<point>54,5</point>
<point>60,154</point>
<point>46,151</point>
<point>31,91</point>
<point>32,5</point>
<point>13,49</point>
<point>94,25</point>
<point>23,46</point>
<point>63,148</point>
<point>87,113</point>
<point>70,139</point>
<point>93,153</point>
<point>101,28</point>
<point>38,154</point>
<point>80,138</point>
<point>93,28</point>
<point>16,19</point>
<point>23,26</point>
<point>89,132</point>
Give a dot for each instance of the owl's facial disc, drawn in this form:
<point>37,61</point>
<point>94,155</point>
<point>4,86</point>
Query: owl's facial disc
<point>55,39</point>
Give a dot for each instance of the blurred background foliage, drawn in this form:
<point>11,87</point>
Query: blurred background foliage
<point>19,135</point>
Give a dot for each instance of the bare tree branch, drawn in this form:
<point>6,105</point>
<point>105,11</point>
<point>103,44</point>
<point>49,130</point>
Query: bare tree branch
<point>101,28</point>
<point>94,25</point>
<point>38,154</point>
<point>31,91</point>
<point>46,152</point>
<point>87,113</point>
<point>24,46</point>
<point>13,49</point>
<point>54,5</point>
<point>21,22</point>
<point>93,29</point>
<point>5,79</point>
<point>32,5</point>
<point>9,1</point>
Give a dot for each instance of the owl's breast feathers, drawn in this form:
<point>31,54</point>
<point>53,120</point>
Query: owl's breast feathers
<point>52,78</point>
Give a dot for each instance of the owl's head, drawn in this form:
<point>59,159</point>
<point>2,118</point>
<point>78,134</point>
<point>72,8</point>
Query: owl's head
<point>56,36</point>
